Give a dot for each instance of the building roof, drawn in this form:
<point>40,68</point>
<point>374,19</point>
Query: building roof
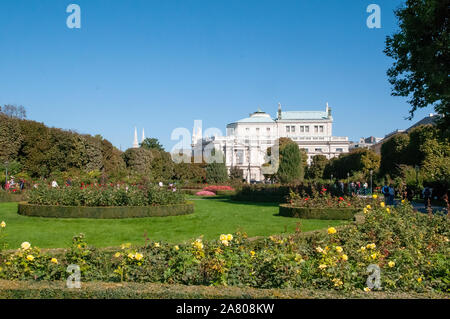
<point>304,115</point>
<point>257,117</point>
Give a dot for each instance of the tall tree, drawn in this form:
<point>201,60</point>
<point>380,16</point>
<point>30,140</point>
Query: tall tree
<point>421,50</point>
<point>152,143</point>
<point>290,168</point>
<point>317,167</point>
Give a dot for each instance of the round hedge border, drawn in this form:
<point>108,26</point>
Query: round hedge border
<point>317,213</point>
<point>115,212</point>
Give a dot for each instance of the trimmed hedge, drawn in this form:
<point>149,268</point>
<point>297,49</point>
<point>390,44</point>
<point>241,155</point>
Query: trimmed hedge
<point>190,191</point>
<point>317,213</point>
<point>105,212</point>
<point>225,193</point>
<point>9,197</point>
<point>102,290</point>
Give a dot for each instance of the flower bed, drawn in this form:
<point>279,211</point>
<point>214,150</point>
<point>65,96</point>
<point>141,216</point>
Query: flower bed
<point>104,195</point>
<point>105,212</point>
<point>410,248</point>
<point>205,193</point>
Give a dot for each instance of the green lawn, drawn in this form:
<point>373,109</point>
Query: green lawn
<point>212,217</point>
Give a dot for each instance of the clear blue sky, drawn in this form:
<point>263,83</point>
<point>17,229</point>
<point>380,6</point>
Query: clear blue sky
<point>162,64</point>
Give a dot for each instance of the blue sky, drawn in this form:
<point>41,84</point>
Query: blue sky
<point>162,64</point>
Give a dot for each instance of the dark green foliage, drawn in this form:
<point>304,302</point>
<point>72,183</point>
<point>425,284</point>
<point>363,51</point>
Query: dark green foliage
<point>236,173</point>
<point>10,138</point>
<point>317,167</point>
<point>290,168</point>
<point>317,213</point>
<point>359,160</point>
<point>421,50</point>
<point>152,143</point>
<point>216,171</point>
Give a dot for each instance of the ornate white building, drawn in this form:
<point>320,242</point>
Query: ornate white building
<point>246,141</point>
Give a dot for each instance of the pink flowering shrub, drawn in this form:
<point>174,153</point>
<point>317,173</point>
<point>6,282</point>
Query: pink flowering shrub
<point>205,193</point>
<point>215,188</point>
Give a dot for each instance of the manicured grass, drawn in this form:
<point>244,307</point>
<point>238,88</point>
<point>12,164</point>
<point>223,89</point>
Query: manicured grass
<point>212,217</point>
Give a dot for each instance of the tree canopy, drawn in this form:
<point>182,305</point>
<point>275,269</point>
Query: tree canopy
<point>421,50</point>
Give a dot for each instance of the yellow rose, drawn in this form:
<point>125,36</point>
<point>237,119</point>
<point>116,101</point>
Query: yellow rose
<point>382,204</point>
<point>138,256</point>
<point>331,230</point>
<point>229,237</point>
<point>223,237</point>
<point>322,266</point>
<point>54,261</point>
<point>403,201</point>
<point>344,257</point>
<point>25,245</point>
<point>225,242</point>
<point>374,256</point>
<point>30,257</point>
<point>365,210</point>
<point>374,196</point>
<point>391,264</point>
<point>157,245</point>
<point>3,224</point>
<point>176,247</point>
<point>339,249</point>
<point>252,253</point>
<point>131,256</point>
<point>367,289</point>
<point>369,207</point>
<point>117,255</point>
<point>319,249</point>
<point>363,248</point>
<point>419,279</point>
<point>388,210</point>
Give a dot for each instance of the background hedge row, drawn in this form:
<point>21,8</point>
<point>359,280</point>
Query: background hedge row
<point>317,213</point>
<point>105,212</point>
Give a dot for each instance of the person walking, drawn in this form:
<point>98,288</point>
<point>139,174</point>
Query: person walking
<point>385,192</point>
<point>391,194</point>
<point>426,196</point>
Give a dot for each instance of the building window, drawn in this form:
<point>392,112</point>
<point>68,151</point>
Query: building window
<point>302,129</point>
<point>316,129</point>
<point>321,129</point>
<point>307,129</point>
<point>339,150</point>
<point>318,150</point>
<point>240,157</point>
<point>292,129</point>
<point>268,130</point>
<point>257,131</point>
<point>288,129</point>
<point>247,130</point>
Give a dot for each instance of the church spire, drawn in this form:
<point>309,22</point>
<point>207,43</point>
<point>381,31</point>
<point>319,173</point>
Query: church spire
<point>143,136</point>
<point>279,111</point>
<point>135,142</point>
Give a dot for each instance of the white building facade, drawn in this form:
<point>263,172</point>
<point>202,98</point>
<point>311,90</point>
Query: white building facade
<point>247,140</point>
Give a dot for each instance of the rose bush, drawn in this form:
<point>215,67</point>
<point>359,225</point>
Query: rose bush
<point>104,195</point>
<point>411,249</point>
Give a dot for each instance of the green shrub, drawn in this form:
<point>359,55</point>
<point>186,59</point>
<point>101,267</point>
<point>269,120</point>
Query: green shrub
<point>288,210</point>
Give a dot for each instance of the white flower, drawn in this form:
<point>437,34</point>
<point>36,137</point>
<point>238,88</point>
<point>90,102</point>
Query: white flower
<point>25,245</point>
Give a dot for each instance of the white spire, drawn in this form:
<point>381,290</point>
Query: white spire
<point>143,136</point>
<point>135,142</point>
